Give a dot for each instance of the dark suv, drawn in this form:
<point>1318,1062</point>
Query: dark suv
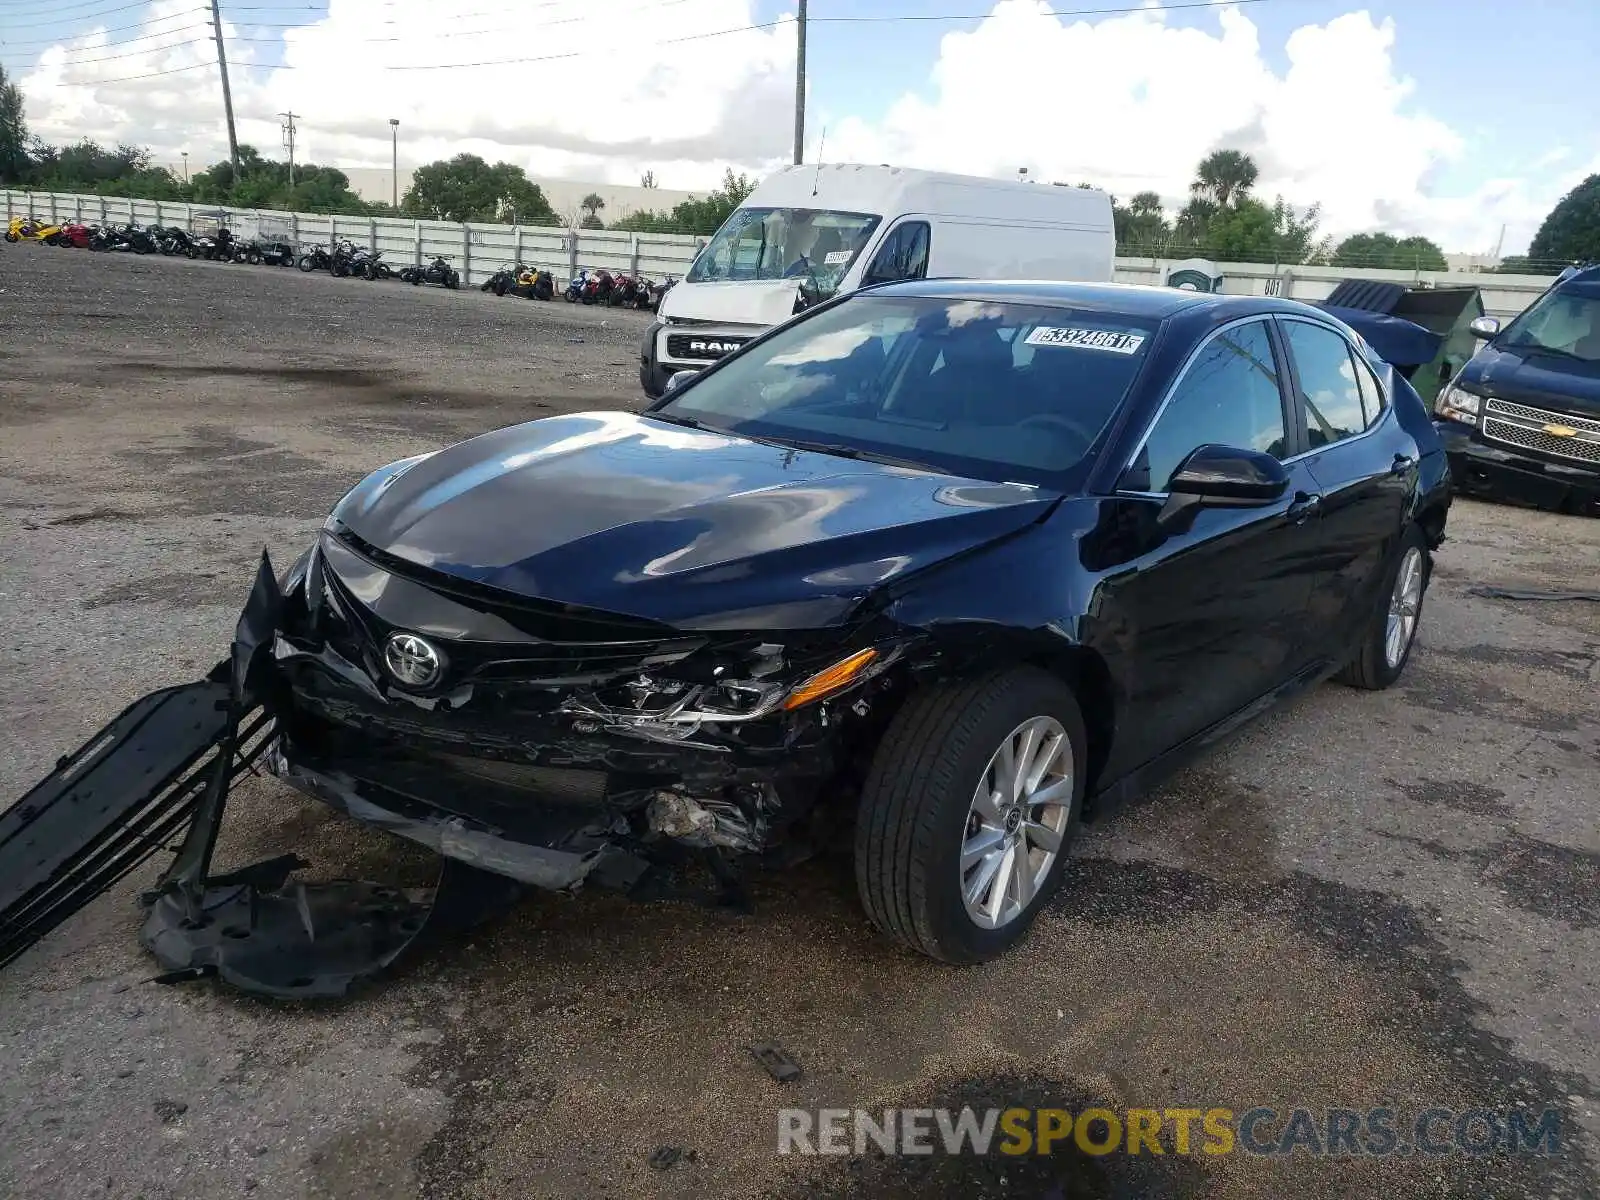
<point>1522,419</point>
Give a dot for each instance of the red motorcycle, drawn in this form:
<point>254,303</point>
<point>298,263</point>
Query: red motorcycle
<point>71,235</point>
<point>624,291</point>
<point>598,288</point>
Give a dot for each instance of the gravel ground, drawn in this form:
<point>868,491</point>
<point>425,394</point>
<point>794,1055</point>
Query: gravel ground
<point>1363,899</point>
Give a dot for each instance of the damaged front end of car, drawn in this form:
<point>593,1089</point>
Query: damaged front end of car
<point>527,743</point>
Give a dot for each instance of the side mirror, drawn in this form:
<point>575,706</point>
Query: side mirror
<point>676,380</point>
<point>1484,328</point>
<point>1225,477</point>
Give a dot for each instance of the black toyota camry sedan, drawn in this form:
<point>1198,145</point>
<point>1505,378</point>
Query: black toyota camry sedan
<point>935,568</point>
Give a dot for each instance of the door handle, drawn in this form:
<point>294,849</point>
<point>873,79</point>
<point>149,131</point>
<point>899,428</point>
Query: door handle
<point>1402,463</point>
<point>1306,505</point>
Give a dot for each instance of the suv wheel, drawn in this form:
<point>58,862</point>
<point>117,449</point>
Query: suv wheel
<point>968,813</point>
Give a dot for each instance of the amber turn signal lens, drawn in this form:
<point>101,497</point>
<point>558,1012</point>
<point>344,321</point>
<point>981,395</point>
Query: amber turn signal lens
<point>825,683</point>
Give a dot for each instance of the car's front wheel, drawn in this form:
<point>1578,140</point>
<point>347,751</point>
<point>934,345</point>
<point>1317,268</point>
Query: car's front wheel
<point>968,812</point>
<point>1387,642</point>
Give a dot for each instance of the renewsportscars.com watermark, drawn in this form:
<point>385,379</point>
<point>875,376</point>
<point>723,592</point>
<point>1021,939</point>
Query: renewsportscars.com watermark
<point>1373,1132</point>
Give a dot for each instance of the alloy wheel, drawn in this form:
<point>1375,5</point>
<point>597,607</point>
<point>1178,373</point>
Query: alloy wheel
<point>1017,822</point>
<point>1405,605</point>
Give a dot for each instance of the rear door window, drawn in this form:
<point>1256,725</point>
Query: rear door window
<point>1330,395</point>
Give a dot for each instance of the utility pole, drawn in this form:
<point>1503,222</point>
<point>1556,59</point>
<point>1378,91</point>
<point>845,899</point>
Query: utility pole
<point>799,85</point>
<point>227,93</point>
<point>288,140</point>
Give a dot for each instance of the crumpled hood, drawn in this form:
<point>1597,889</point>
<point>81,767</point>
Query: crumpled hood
<point>618,512</point>
<point>738,302</point>
<point>1534,379</point>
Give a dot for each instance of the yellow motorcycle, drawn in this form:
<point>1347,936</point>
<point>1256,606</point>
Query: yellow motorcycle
<point>26,229</point>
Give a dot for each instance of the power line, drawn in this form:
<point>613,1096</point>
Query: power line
<point>1049,12</point>
<point>454,33</point>
<point>71,17</point>
<point>516,62</point>
<point>59,39</point>
<point>422,66</point>
<point>200,41</point>
<point>130,78</point>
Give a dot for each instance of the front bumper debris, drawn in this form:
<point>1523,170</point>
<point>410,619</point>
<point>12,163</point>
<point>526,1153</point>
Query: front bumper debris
<point>510,794</point>
<point>164,765</point>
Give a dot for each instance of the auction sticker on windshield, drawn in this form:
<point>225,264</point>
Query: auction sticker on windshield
<point>834,257</point>
<point>1087,339</point>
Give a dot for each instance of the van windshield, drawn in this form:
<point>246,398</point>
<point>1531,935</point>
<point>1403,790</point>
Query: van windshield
<point>812,246</point>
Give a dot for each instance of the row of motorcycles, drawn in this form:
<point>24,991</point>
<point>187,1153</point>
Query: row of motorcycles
<point>610,288</point>
<point>153,239</point>
<point>346,259</point>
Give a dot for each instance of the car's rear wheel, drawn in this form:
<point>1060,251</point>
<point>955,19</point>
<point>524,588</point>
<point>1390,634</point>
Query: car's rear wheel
<point>968,812</point>
<point>1386,645</point>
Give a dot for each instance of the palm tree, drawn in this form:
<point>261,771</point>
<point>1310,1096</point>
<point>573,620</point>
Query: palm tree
<point>1145,204</point>
<point>1224,177</point>
<point>592,204</point>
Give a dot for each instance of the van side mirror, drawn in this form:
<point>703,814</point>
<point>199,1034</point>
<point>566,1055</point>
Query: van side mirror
<point>1216,476</point>
<point>1484,328</point>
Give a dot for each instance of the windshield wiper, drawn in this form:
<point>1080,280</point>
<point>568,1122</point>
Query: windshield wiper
<point>675,419</point>
<point>839,451</point>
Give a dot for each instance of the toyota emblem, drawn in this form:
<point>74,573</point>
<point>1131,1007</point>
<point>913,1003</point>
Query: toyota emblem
<point>413,660</point>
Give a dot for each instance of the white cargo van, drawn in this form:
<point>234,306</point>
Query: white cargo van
<point>810,232</point>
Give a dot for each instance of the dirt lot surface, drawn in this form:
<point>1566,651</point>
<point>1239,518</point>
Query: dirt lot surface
<point>1365,899</point>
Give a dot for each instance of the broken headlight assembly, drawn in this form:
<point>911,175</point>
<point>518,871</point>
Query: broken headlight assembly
<point>763,688</point>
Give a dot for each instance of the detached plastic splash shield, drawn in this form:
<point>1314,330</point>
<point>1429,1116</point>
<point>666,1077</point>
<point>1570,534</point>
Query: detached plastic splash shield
<point>301,941</point>
<point>162,769</point>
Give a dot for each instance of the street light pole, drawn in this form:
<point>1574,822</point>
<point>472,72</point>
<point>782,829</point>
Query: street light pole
<point>185,154</point>
<point>394,168</point>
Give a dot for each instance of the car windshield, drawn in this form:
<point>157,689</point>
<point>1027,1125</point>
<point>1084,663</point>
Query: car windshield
<point>810,245</point>
<point>978,388</point>
<point>1564,324</point>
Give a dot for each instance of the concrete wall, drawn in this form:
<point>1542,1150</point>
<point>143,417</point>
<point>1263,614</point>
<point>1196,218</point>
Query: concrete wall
<point>478,250</point>
<point>376,184</point>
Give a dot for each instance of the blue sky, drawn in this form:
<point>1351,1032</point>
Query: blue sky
<point>1504,111</point>
<point>1482,66</point>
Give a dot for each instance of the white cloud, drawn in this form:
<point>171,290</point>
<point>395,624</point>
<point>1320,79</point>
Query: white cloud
<point>1129,102</point>
<point>611,91</point>
<point>1133,103</point>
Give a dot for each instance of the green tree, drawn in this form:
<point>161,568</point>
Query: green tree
<point>466,188</point>
<point>86,166</point>
<point>1224,177</point>
<point>264,183</point>
<point>1387,252</point>
<point>591,205</point>
<point>14,160</point>
<point>1141,224</point>
<point>1251,231</point>
<point>1571,233</point>
<point>647,180</point>
<point>694,215</point>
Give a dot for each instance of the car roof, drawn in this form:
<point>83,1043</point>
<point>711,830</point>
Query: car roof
<point>1125,299</point>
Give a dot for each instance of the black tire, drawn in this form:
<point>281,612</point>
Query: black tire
<point>1370,668</point>
<point>917,799</point>
<point>306,264</point>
